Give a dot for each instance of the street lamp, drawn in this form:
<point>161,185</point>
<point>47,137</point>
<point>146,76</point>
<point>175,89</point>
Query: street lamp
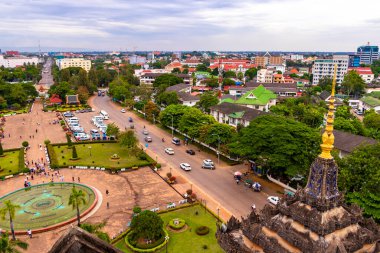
<point>218,209</point>
<point>89,147</point>
<point>167,241</point>
<point>172,125</point>
<point>218,151</point>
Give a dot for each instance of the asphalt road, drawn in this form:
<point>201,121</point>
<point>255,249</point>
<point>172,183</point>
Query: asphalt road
<point>218,184</point>
<point>47,78</point>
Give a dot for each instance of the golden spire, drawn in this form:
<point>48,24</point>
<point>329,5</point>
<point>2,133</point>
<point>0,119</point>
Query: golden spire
<point>328,136</point>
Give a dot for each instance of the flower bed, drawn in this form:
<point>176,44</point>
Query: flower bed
<point>177,223</point>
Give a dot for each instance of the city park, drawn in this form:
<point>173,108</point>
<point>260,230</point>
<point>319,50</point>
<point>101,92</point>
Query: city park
<point>53,204</point>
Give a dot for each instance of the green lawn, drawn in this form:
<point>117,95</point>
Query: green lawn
<point>9,164</point>
<point>99,155</point>
<point>188,241</point>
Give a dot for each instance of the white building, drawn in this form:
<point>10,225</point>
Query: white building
<point>136,59</point>
<point>365,73</point>
<point>73,62</point>
<point>277,67</point>
<point>265,76</point>
<point>296,57</point>
<point>16,61</point>
<point>325,67</point>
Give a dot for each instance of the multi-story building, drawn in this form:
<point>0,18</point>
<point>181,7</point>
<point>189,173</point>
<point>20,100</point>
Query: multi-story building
<point>277,67</point>
<point>365,73</point>
<point>261,61</point>
<point>354,60</point>
<point>296,57</point>
<point>73,62</point>
<point>368,54</point>
<point>16,61</point>
<point>265,76</point>
<point>137,59</point>
<point>149,78</point>
<point>276,60</point>
<point>325,67</point>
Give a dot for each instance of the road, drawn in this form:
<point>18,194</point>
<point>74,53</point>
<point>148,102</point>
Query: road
<point>217,184</point>
<point>47,77</point>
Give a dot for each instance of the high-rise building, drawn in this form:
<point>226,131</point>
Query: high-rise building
<point>276,60</point>
<point>325,67</point>
<point>368,54</point>
<point>354,61</point>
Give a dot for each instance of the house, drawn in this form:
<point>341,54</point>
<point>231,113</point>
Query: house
<point>346,142</point>
<point>280,89</point>
<point>259,98</point>
<point>234,114</point>
<point>72,100</point>
<point>365,73</point>
<point>174,64</point>
<point>187,99</point>
<point>55,100</point>
<point>149,78</point>
<point>368,103</point>
<point>181,87</point>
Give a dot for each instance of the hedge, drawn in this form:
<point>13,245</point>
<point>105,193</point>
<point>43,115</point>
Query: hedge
<point>85,142</point>
<point>162,244</point>
<point>21,159</point>
<point>202,230</point>
<point>52,156</point>
<point>178,226</point>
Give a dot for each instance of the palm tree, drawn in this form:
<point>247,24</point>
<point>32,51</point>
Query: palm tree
<point>9,246</point>
<point>77,198</point>
<point>10,209</point>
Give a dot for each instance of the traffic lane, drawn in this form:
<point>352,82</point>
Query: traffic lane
<point>217,185</point>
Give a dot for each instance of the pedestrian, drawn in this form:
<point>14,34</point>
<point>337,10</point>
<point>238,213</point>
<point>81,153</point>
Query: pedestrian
<point>33,136</point>
<point>30,233</point>
<point>107,192</point>
<point>108,205</point>
<point>30,137</point>
<point>9,135</point>
<point>237,181</point>
<point>20,137</point>
<point>32,177</point>
<point>78,179</point>
<point>73,179</point>
<point>36,130</point>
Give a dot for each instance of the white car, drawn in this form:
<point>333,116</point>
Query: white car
<point>273,200</point>
<point>123,110</point>
<point>185,166</point>
<point>169,151</point>
<point>145,132</point>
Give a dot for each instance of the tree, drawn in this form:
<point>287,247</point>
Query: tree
<point>349,125</point>
<point>9,246</point>
<point>76,200</point>
<point>167,80</point>
<point>353,84</point>
<point>192,120</point>
<point>229,74</point>
<point>168,98</point>
<point>96,229</point>
<point>128,139</point>
<point>228,82</point>
<point>251,73</point>
<point>216,133</point>
<point>9,209</point>
<point>151,111</point>
<point>375,67</point>
<point>74,152</point>
<point>65,75</point>
<point>172,115</point>
<point>372,120</point>
<point>176,71</point>
<point>69,142</point>
<point>359,177</point>
<point>147,225</point>
<point>201,67</point>
<point>212,82</point>
<point>325,83</point>
<point>1,149</point>
<point>144,91</point>
<point>120,89</point>
<point>83,94</point>
<point>207,100</point>
<point>113,130</point>
<point>280,144</point>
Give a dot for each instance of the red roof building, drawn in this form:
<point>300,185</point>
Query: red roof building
<point>54,99</point>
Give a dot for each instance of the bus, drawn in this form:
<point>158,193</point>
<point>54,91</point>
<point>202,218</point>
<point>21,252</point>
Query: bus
<point>104,114</point>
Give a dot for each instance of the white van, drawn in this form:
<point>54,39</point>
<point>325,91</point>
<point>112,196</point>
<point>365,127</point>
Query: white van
<point>97,119</point>
<point>104,114</point>
<point>73,119</point>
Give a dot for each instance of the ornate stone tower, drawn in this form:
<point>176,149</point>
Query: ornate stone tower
<point>315,219</point>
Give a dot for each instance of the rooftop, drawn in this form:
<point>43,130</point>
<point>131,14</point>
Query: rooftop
<point>348,142</point>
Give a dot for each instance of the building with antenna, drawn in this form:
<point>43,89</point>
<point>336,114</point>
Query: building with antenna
<point>368,53</point>
<point>315,219</point>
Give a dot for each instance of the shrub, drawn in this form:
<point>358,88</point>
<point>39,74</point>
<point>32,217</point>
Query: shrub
<point>158,165</point>
<point>202,230</point>
<point>69,142</point>
<point>1,149</point>
<point>75,155</point>
<point>172,179</point>
<point>21,159</point>
<point>205,247</point>
<point>173,225</point>
<point>137,209</point>
<point>47,142</point>
<point>142,156</point>
<point>189,192</point>
<point>25,144</point>
<point>169,175</point>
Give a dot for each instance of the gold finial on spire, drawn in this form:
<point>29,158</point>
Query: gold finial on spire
<point>328,136</point>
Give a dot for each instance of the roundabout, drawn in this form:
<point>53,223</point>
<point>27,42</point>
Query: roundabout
<point>45,207</point>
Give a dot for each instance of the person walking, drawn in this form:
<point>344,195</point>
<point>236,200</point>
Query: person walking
<point>108,205</point>
<point>78,179</point>
<point>30,233</point>
<point>107,192</point>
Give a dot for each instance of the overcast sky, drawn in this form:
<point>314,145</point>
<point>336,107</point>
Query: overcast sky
<point>273,25</point>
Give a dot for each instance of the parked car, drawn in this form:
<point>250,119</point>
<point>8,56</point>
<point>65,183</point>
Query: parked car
<point>130,119</point>
<point>185,166</point>
<point>68,114</point>
<point>82,137</point>
<point>122,110</point>
<point>273,200</point>
<point>176,141</point>
<point>132,126</point>
<point>148,139</point>
<point>190,152</point>
<point>169,151</point>
<point>145,132</point>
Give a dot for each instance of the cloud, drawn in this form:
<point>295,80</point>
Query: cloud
<point>323,25</point>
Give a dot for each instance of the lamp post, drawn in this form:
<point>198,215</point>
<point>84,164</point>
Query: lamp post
<point>167,241</point>
<point>218,209</point>
<point>172,125</point>
<point>89,147</point>
<point>144,112</point>
<point>218,151</point>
